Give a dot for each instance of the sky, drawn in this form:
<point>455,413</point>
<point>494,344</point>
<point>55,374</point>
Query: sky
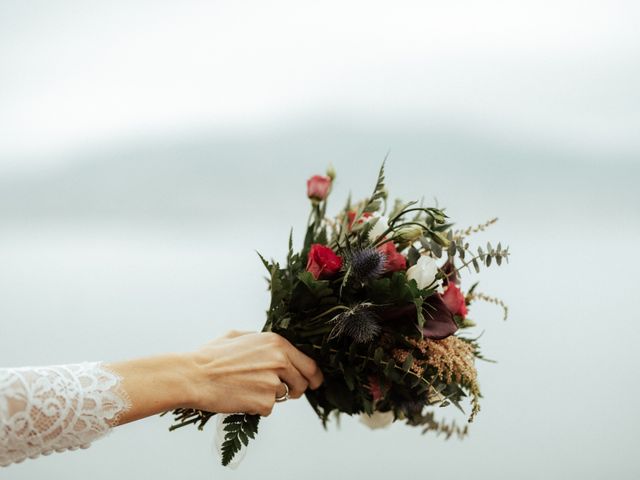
<point>83,75</point>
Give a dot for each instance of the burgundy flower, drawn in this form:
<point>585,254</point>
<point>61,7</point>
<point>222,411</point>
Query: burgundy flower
<point>322,262</point>
<point>450,273</point>
<point>438,323</point>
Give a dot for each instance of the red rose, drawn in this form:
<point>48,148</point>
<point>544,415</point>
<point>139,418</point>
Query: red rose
<point>322,262</point>
<point>351,215</point>
<point>454,300</point>
<point>318,187</point>
<point>395,261</point>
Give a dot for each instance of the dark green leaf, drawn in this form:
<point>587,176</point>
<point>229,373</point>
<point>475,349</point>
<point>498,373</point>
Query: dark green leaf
<point>408,362</point>
<point>240,427</point>
<point>476,266</point>
<point>377,355</point>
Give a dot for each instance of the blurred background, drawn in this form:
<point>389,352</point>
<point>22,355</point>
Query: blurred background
<point>148,148</point>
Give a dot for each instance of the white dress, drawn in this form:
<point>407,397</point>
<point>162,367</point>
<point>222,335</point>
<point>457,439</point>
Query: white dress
<point>57,408</point>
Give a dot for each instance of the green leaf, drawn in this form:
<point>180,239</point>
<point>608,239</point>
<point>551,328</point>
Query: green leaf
<point>284,322</point>
<point>388,369</point>
<point>416,382</point>
<point>377,355</point>
<point>418,301</point>
<point>451,250</point>
<point>264,262</point>
<point>345,279</point>
<point>436,249</point>
<point>239,427</point>
<point>476,266</point>
<point>278,293</point>
<point>408,362</point>
<point>373,204</point>
<point>349,379</point>
<point>319,288</point>
<point>413,255</point>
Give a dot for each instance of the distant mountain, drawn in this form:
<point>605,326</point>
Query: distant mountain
<point>196,179</point>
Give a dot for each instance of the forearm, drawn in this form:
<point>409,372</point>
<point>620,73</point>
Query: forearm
<point>59,407</point>
<point>155,384</point>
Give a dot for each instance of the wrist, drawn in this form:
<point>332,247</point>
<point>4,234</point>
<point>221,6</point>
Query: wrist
<point>180,378</point>
<point>155,384</point>
<point>195,380</point>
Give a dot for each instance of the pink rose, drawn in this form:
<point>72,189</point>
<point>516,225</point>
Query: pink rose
<point>453,298</point>
<point>318,187</point>
<point>395,261</point>
<point>322,262</point>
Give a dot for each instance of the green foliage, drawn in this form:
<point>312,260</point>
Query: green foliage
<point>239,428</point>
<point>379,192</point>
<point>390,290</point>
<point>370,205</point>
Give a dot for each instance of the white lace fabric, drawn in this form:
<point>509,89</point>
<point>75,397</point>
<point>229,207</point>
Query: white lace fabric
<point>57,408</point>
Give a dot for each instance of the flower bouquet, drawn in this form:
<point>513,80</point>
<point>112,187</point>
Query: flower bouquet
<point>374,297</point>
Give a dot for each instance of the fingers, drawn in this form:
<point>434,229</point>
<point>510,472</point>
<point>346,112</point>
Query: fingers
<point>304,364</point>
<point>296,382</point>
<point>282,391</point>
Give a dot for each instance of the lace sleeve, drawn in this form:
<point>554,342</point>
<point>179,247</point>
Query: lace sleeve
<point>57,408</point>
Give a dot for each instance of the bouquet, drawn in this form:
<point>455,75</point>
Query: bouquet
<point>374,297</point>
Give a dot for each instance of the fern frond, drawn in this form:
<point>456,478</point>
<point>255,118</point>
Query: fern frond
<point>239,429</point>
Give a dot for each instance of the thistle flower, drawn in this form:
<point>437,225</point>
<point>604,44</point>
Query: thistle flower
<point>367,263</point>
<point>360,323</point>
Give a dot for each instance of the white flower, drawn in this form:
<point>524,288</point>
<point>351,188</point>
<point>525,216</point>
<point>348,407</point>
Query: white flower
<point>424,272</point>
<point>409,233</point>
<point>378,228</point>
<point>377,420</point>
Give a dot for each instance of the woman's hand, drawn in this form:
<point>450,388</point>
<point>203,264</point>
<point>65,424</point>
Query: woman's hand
<point>244,372</point>
<point>239,372</point>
